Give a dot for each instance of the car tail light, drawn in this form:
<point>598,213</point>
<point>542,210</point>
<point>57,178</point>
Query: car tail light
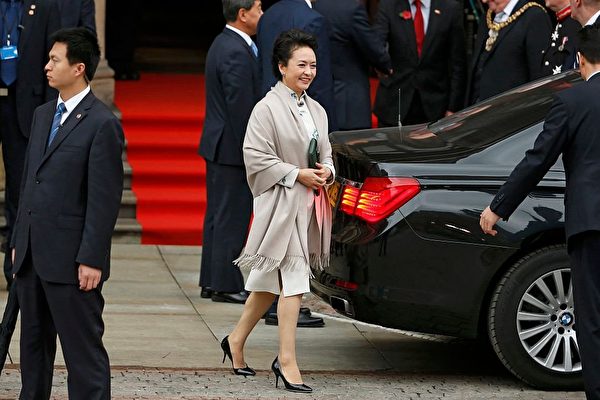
<point>378,197</point>
<point>346,285</point>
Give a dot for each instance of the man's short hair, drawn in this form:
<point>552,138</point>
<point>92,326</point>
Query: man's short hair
<point>232,7</point>
<point>82,47</point>
<point>589,43</point>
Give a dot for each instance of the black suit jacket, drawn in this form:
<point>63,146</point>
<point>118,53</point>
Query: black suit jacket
<point>354,46</point>
<point>32,87</point>
<point>232,89</point>
<point>285,15</point>
<point>439,75</point>
<point>70,192</point>
<point>515,58</point>
<point>74,13</point>
<point>570,129</point>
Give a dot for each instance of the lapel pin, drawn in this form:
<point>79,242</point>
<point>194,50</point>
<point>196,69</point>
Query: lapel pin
<point>78,116</point>
<point>438,12</point>
<point>31,12</point>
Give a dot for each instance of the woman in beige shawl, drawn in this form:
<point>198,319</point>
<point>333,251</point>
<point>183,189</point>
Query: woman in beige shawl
<point>291,228</point>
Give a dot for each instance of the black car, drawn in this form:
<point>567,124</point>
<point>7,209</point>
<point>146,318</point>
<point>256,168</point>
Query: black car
<point>407,250</point>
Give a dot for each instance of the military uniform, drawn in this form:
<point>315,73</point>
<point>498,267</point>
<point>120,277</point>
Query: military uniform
<point>560,55</point>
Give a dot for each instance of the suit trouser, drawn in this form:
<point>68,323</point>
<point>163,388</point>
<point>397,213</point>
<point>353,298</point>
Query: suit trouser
<point>584,251</point>
<point>14,145</point>
<point>228,211</point>
<point>49,308</point>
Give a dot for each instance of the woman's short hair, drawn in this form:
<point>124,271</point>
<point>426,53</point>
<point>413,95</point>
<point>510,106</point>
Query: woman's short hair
<point>286,43</point>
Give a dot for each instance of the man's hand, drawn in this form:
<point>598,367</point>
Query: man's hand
<point>89,277</point>
<point>488,220</point>
<point>448,113</point>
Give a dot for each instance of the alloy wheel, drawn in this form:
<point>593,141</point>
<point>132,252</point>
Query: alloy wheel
<point>546,322</point>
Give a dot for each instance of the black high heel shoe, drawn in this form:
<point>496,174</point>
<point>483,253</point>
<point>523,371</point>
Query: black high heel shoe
<point>292,387</point>
<point>246,371</point>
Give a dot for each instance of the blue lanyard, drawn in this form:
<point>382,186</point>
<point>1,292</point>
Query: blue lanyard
<point>6,30</point>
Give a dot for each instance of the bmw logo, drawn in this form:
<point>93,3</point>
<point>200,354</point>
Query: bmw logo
<point>566,319</point>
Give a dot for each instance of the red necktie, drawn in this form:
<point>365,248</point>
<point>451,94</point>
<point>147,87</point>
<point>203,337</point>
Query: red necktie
<point>419,26</point>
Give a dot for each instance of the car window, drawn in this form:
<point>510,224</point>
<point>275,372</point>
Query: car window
<point>492,120</point>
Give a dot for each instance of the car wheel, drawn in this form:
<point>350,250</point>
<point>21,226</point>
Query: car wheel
<point>531,321</point>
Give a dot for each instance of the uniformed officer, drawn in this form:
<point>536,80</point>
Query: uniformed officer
<point>560,55</point>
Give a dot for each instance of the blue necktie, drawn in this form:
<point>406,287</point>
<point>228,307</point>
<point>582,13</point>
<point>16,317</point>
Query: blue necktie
<point>254,49</point>
<point>56,122</point>
<point>8,72</point>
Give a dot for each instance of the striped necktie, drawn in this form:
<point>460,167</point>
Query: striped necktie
<point>60,110</point>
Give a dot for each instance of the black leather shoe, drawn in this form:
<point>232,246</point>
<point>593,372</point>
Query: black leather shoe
<point>303,310</point>
<point>304,321</point>
<point>238,298</point>
<point>206,293</point>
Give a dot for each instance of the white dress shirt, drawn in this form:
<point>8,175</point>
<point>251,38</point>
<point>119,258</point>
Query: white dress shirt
<point>593,19</point>
<point>505,14</point>
<point>244,35</point>
<point>309,3</point>
<point>72,103</point>
<point>593,73</point>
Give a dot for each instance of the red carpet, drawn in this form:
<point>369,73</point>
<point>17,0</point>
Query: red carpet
<point>162,119</point>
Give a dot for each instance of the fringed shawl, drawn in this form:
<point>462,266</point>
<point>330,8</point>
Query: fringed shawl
<point>283,235</point>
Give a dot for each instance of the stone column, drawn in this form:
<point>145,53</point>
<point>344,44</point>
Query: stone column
<point>104,81</point>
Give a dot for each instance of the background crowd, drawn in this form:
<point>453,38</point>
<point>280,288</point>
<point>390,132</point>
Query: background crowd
<point>421,54</point>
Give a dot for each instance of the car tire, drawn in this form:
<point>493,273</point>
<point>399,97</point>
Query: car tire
<point>514,314</point>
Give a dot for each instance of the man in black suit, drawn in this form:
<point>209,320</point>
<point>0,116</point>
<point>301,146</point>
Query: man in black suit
<point>354,46</point>
<point>586,12</point>
<point>232,89</point>
<point>509,49</point>
<point>70,198</point>
<point>288,14</point>
<point>74,13</point>
<point>23,87</point>
<point>570,129</point>
<point>427,44</point>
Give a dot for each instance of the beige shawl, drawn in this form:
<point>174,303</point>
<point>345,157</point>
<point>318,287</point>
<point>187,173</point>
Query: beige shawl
<point>283,235</point>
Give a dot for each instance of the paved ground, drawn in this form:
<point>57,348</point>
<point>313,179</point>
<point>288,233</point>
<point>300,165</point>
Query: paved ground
<point>163,340</point>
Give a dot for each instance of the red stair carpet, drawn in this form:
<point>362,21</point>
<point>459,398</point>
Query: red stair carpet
<point>162,119</point>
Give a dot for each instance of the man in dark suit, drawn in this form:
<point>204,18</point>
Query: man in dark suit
<point>70,200</point>
<point>23,87</point>
<point>427,44</point>
<point>509,49</point>
<point>285,15</point>
<point>570,129</point>
<point>354,46</point>
<point>232,89</point>
<point>74,13</point>
<point>586,12</point>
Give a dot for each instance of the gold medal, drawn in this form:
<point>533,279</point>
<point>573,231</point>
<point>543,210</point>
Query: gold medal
<point>489,43</point>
